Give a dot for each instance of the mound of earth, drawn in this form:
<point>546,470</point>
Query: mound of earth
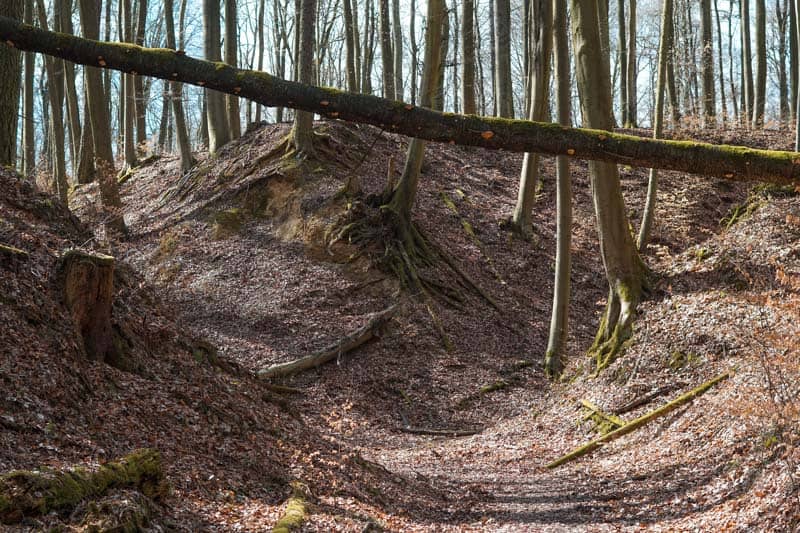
<point>230,270</point>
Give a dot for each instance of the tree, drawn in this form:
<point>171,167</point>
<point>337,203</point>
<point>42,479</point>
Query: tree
<point>502,55</point>
<point>735,163</point>
<point>720,66</point>
<point>541,49</point>
<point>303,130</point>
<point>397,33</point>
<point>216,117</point>
<point>350,51</point>
<point>9,90</point>
<point>747,62</point>
<point>707,64</point>
<point>759,98</point>
<point>658,122</point>
<point>28,125</point>
<point>232,58</point>
<point>624,269</point>
<point>468,57</point>
<point>139,96</point>
<point>128,91</point>
<point>176,88</point>
<point>559,318</point>
<point>387,56</point>
<point>632,68</point>
<point>622,53</point>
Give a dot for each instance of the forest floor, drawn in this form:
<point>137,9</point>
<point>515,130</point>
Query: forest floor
<point>232,259</point>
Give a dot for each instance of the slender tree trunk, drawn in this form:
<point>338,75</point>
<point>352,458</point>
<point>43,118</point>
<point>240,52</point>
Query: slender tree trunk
<point>707,64</point>
<point>455,90</point>
<point>218,129</point>
<point>86,171</point>
<point>28,124</point>
<point>352,84</point>
<point>559,318</point>
<point>493,58</point>
<point>541,47</point>
<point>260,44</point>
<point>672,88</point>
<point>658,125</point>
<point>797,102</point>
<point>734,99</point>
<point>782,19</point>
<point>140,98</point>
<point>747,62</point>
<point>793,59</point>
<point>398,50</point>
<point>468,57</point>
<point>55,93</point>
<point>71,92</point>
<point>232,58</point>
<point>502,54</point>
<point>761,65</point>
<point>303,132</point>
<point>404,194</point>
<point>624,269</point>
<point>9,90</point>
<point>129,92</point>
<point>438,97</point>
<point>387,56</point>
<point>633,70</point>
<point>622,53</point>
<point>176,88</point>
<point>414,52</point>
<point>722,98</point>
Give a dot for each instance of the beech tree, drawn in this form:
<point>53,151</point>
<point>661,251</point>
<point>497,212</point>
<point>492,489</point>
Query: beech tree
<point>759,95</point>
<point>707,64</point>
<point>216,117</point>
<point>501,68</point>
<point>9,90</point>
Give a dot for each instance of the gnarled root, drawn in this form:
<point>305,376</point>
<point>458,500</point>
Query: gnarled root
<point>616,326</point>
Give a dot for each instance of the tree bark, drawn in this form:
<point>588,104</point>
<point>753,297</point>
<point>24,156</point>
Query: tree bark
<point>217,120</point>
<point>633,70</point>
<point>747,63</point>
<point>28,124</point>
<point>303,129</point>
<point>559,318</point>
<point>730,162</point>
<point>622,53</point>
<point>624,269</point>
<point>129,92</point>
<point>468,57</point>
<point>760,94</point>
<point>176,88</point>
<point>350,61</point>
<point>707,65</point>
<point>9,90</point>
<point>793,59</point>
<point>232,58</point>
<point>502,54</point>
<point>541,48</point>
<point>397,33</point>
<point>387,56</point>
<point>139,96</point>
<point>658,124</point>
<point>719,65</point>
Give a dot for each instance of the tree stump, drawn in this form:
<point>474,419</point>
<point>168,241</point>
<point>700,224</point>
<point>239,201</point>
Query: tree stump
<point>89,292</point>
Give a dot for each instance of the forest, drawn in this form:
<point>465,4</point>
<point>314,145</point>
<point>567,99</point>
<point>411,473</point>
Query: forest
<point>381,265</point>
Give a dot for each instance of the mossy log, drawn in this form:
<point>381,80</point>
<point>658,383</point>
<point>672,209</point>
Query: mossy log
<point>605,422</point>
<point>37,492</point>
<point>639,422</point>
<point>12,252</point>
<point>352,341</point>
<point>296,510</point>
<point>88,280</point>
<point>729,162</point>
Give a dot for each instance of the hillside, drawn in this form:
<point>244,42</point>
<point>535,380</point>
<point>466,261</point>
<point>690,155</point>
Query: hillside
<point>227,270</point>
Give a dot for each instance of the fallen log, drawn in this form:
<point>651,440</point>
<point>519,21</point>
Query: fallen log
<point>349,343</point>
<point>639,422</point>
<point>296,510</point>
<point>604,422</point>
<point>37,492</point>
<point>728,162</point>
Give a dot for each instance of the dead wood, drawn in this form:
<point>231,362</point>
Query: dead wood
<point>439,432</point>
<point>644,400</point>
<point>639,422</point>
<point>347,344</point>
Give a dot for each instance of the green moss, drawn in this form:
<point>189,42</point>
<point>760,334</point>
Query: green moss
<point>296,512</point>
<point>492,387</point>
<point>227,223</point>
<point>701,254</point>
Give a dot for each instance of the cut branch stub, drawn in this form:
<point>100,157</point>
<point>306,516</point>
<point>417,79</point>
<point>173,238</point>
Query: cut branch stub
<point>89,292</point>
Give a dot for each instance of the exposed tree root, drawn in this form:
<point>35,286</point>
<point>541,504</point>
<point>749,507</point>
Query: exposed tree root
<point>639,422</point>
<point>296,510</point>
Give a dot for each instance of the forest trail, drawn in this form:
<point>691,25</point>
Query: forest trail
<point>233,250</point>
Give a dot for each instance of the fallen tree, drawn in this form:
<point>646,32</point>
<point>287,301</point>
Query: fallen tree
<point>722,161</point>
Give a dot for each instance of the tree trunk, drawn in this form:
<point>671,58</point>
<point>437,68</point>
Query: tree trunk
<point>559,318</point>
<point>633,70</point>
<point>414,53</point>
<point>760,94</point>
<point>232,58</point>
<point>658,124</point>
<point>352,83</point>
<point>128,91</point>
<point>672,89</point>
<point>782,19</point>
<point>734,163</point>
<point>181,133</point>
<point>502,34</point>
<point>9,90</point>
<point>217,120</point>
<point>28,124</point>
<point>720,66</point>
<point>622,53</point>
<point>793,59</point>
<point>303,129</point>
<point>707,64</point>
<point>747,62</point>
<point>624,269</point>
<point>541,48</point>
<point>404,194</point>
<point>71,92</point>
<point>398,50</point>
<point>468,57</point>
<point>387,56</point>
<point>139,97</point>
<point>260,44</point>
